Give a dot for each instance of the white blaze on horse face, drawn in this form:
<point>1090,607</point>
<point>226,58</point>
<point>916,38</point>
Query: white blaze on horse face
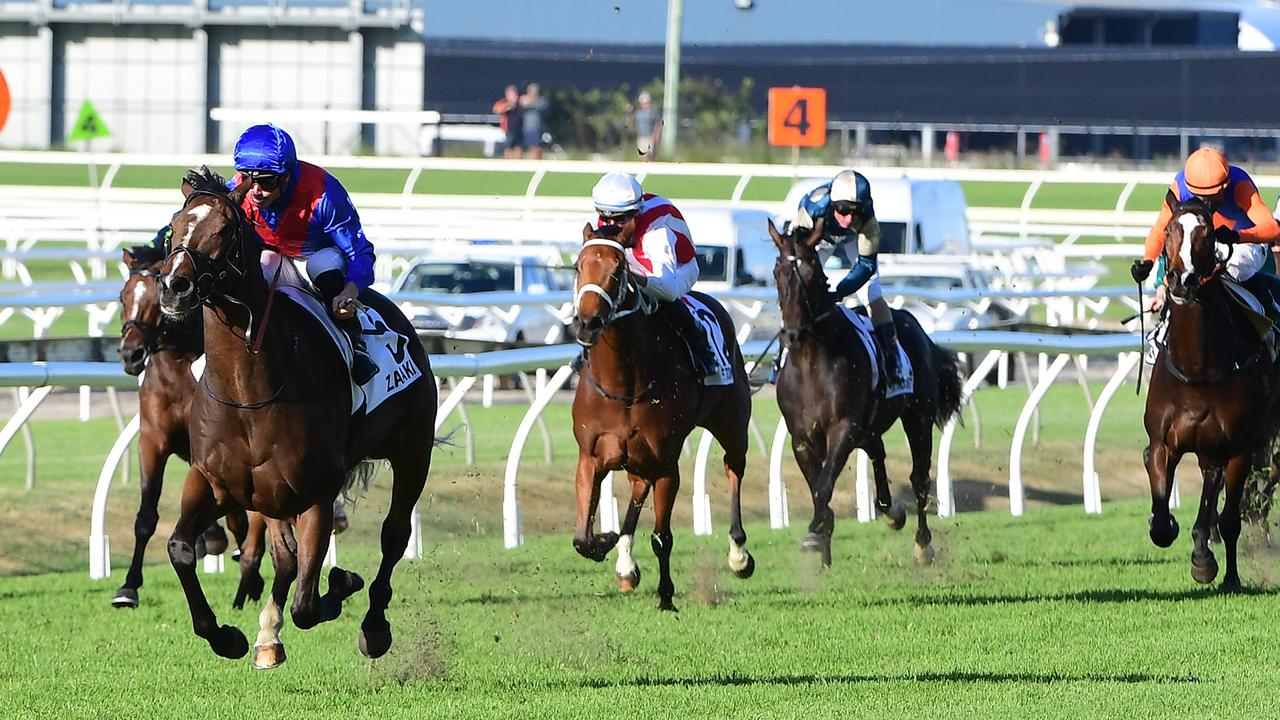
<point>1189,222</point>
<point>197,213</point>
<point>139,292</point>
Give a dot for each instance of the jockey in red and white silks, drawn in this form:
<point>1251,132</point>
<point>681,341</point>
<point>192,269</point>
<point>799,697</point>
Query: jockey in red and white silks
<point>662,257</point>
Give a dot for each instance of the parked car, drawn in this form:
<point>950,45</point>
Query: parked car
<point>735,252</point>
<point>898,272</point>
<point>474,269</point>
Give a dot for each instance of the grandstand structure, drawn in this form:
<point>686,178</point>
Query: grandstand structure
<point>155,70</point>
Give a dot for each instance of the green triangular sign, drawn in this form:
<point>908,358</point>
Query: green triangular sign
<point>89,124</point>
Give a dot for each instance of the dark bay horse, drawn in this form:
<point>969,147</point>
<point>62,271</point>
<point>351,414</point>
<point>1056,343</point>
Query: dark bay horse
<point>1213,392</point>
<point>272,429</point>
<point>637,401</point>
<point>166,350</point>
<point>826,396</point>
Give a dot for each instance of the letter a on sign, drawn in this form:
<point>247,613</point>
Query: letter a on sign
<point>89,124</point>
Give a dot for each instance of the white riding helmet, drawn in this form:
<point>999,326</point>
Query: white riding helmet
<point>844,186</point>
<point>617,192</point>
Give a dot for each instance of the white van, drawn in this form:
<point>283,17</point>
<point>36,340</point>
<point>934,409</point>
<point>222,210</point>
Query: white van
<point>734,247</point>
<point>916,216</point>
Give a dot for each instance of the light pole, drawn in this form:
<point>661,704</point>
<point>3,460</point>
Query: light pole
<point>671,79</point>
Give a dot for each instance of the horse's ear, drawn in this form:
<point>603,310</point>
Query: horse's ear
<point>1171,199</point>
<point>777,236</point>
<point>239,191</point>
<point>127,257</point>
<point>815,235</point>
<point>587,232</point>
<point>187,188</point>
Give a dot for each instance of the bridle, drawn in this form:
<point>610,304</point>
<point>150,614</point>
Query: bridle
<point>617,311</point>
<point>794,334</point>
<point>212,273</point>
<point>626,287</point>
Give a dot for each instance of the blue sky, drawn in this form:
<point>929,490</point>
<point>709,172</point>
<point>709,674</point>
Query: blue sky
<point>719,22</point>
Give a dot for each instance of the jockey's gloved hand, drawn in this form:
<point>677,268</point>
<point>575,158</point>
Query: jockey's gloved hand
<point>845,288</point>
<point>1141,270</point>
<point>1226,235</point>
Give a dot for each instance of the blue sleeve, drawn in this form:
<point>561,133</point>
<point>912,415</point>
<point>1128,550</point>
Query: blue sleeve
<point>863,268</point>
<point>814,203</point>
<point>336,218</point>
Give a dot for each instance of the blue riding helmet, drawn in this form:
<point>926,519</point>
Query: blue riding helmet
<point>265,148</point>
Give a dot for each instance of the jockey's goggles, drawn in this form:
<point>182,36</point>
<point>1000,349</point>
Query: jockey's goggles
<point>846,207</point>
<point>265,180</point>
<point>617,216</point>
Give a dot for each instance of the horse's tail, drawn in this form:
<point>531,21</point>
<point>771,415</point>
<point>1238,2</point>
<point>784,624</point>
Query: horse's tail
<point>358,479</point>
<point>950,385</point>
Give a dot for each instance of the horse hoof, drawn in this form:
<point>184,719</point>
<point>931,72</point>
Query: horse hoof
<point>340,523</point>
<point>230,643</point>
<point>1230,585</point>
<point>666,605</point>
<point>896,516</point>
<point>1204,574</point>
<point>235,555</point>
<point>747,570</point>
<point>215,540</point>
<point>126,597</point>
<point>597,547</point>
<point>266,657</point>
<point>813,542</point>
<point>374,643</point>
<point>923,555</point>
<point>627,583</point>
<point>1164,534</point>
<point>344,583</point>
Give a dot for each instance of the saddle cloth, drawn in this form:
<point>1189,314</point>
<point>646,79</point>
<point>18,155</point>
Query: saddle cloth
<point>389,350</point>
<point>867,334</point>
<point>723,373</point>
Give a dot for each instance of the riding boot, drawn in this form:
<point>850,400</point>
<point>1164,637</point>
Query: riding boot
<point>703,360</point>
<point>888,337</point>
<point>363,368</point>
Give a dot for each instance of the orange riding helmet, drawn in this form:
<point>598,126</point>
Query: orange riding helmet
<point>1206,171</point>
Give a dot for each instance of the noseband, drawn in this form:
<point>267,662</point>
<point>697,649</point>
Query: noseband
<point>626,287</point>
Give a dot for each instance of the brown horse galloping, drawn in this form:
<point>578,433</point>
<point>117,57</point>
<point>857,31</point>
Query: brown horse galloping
<point>825,393</point>
<point>637,401</point>
<point>272,429</point>
<point>164,399</point>
<point>1213,393</point>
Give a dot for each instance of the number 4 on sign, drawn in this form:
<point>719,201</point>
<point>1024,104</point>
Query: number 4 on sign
<point>88,125</point>
<point>797,116</point>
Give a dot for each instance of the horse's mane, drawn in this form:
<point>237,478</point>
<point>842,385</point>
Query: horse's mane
<point>608,232</point>
<point>203,179</point>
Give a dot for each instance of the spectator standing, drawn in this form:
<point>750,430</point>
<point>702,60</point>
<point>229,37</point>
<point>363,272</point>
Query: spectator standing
<point>511,120</point>
<point>535,107</point>
<point>648,125</point>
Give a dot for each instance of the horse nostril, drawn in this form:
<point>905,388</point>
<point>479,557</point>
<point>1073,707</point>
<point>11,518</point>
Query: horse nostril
<point>136,355</point>
<point>178,285</point>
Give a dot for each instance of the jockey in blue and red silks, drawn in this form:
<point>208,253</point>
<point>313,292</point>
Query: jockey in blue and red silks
<point>301,211</point>
<point>662,258</point>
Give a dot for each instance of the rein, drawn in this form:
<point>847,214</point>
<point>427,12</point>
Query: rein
<point>808,327</point>
<point>643,304</point>
<point>204,382</point>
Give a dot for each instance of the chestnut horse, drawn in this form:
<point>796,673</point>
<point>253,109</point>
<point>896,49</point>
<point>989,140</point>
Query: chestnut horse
<point>637,401</point>
<point>826,396</point>
<point>1212,393</point>
<point>272,429</point>
<point>166,351</point>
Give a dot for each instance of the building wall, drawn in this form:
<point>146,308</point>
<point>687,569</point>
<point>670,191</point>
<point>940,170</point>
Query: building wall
<point>25,59</point>
<point>154,84</point>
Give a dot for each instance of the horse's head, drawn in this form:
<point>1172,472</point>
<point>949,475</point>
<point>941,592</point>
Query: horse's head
<point>801,281</point>
<point>139,307</point>
<point>1189,249</point>
<point>210,252</point>
<point>604,281</point>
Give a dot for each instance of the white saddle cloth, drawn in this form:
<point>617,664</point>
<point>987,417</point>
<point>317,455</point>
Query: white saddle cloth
<point>723,373</point>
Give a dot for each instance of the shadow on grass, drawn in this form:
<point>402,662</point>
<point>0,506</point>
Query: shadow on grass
<point>957,676</point>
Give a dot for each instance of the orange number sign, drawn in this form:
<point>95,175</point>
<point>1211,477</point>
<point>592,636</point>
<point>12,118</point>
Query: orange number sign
<point>797,116</point>
<point>4,101</point>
